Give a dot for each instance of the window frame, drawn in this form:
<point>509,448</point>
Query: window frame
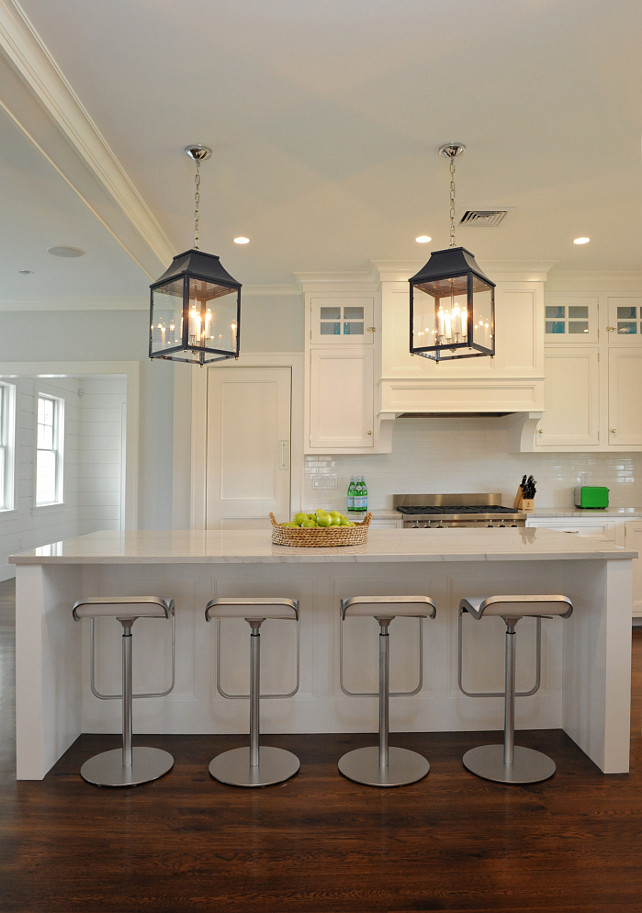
<point>7,446</point>
<point>57,447</point>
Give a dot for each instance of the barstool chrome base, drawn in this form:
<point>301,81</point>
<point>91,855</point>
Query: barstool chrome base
<point>233,767</point>
<point>107,768</point>
<point>404,766</point>
<point>529,766</point>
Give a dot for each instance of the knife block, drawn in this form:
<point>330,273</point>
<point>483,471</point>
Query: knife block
<point>522,503</point>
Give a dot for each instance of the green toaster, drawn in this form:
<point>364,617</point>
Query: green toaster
<point>592,496</point>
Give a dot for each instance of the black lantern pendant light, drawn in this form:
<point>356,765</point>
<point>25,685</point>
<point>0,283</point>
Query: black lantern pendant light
<point>452,303</point>
<point>195,306</point>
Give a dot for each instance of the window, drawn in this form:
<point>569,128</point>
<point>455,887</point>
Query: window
<point>49,440</point>
<point>7,444</point>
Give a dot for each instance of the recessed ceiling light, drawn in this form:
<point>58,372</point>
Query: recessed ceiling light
<point>65,251</point>
<point>581,240</point>
<point>241,240</point>
<point>423,239</point>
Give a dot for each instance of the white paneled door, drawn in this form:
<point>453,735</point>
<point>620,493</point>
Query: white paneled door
<point>248,446</point>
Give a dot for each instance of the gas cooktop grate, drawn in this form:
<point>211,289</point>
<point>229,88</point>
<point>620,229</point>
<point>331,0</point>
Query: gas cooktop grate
<point>458,509</point>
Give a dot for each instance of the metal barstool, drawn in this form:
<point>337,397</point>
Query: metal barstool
<point>254,765</point>
<point>127,766</point>
<point>382,765</point>
<point>509,763</point>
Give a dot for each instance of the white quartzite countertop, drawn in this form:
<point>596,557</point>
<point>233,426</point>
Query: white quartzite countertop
<point>244,546</point>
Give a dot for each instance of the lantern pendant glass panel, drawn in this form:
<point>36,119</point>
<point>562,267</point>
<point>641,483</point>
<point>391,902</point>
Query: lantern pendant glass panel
<point>195,318</point>
<point>452,311</point>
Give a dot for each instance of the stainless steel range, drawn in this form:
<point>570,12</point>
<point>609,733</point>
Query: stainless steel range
<point>456,510</point>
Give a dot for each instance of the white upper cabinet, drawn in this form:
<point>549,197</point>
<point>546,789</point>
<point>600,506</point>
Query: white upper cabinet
<point>593,359</point>
<point>624,388</point>
<point>571,399</point>
<point>341,368</point>
<point>341,399</point>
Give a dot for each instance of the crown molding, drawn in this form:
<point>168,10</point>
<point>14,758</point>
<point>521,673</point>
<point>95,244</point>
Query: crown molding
<point>129,303</point>
<point>95,303</point>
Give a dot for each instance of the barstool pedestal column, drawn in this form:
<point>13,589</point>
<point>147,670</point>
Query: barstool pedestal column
<point>510,763</point>
<point>126,766</point>
<point>253,765</point>
<point>381,765</point>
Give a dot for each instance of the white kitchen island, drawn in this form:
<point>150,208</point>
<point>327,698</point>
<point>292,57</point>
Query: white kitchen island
<point>586,659</point>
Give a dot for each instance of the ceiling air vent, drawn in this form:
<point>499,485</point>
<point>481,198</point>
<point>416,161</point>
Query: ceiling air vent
<point>483,218</point>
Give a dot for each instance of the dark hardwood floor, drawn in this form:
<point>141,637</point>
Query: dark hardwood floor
<point>319,843</point>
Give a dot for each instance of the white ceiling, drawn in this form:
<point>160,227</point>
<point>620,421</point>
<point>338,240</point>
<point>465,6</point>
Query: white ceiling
<point>325,117</point>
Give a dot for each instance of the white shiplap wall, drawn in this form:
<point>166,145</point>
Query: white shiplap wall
<point>100,467</point>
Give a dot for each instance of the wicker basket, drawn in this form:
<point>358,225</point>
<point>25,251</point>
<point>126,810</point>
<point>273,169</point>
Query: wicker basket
<point>315,537</point>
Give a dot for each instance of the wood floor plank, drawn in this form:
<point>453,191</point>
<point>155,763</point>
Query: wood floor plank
<point>319,843</point>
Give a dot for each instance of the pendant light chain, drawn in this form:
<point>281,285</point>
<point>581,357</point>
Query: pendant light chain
<point>197,200</point>
<point>452,201</point>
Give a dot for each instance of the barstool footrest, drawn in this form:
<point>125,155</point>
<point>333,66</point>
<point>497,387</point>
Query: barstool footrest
<point>528,766</point>
<point>234,769</point>
<point>107,768</point>
<point>403,767</point>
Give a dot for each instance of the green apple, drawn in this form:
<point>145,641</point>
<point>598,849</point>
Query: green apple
<point>299,518</point>
<point>324,520</point>
<point>309,523</point>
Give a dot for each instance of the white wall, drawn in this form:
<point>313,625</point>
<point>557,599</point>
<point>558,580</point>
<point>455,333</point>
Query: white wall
<point>109,336</point>
<point>270,323</point>
<point>92,459</point>
<point>27,525</point>
<point>471,454</point>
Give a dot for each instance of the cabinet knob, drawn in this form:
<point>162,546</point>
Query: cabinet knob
<point>613,430</point>
<point>540,431</point>
<point>370,432</point>
<point>610,329</point>
<point>371,329</point>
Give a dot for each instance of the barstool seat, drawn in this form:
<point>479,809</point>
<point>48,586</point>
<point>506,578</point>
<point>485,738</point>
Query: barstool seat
<point>127,766</point>
<point>381,765</point>
<point>508,763</point>
<point>254,765</point>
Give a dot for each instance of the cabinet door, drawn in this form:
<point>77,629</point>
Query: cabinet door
<point>342,320</point>
<point>624,326</point>
<point>341,413</point>
<point>571,399</point>
<point>625,384</point>
<point>570,319</point>
<point>633,539</point>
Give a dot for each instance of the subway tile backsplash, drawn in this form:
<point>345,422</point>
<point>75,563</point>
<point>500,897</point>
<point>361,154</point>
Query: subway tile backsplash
<point>468,454</point>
